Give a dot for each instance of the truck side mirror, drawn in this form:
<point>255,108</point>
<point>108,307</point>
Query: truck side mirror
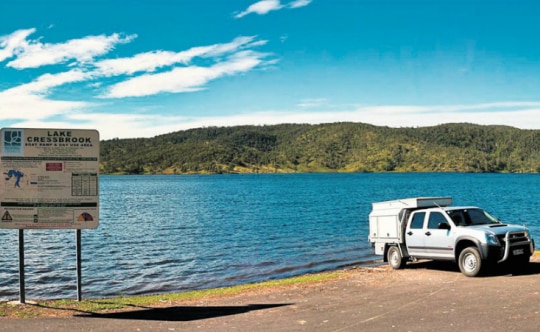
<point>443,225</point>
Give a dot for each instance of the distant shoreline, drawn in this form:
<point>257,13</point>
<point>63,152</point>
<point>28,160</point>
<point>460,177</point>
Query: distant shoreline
<point>324,172</point>
<point>331,147</point>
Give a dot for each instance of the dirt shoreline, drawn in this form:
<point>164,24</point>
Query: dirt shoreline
<point>425,296</point>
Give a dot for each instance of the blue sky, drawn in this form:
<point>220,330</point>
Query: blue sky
<point>132,68</point>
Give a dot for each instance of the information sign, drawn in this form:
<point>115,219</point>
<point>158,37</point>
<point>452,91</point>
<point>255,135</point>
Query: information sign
<point>49,178</point>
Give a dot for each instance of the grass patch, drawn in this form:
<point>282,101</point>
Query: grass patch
<point>66,307</point>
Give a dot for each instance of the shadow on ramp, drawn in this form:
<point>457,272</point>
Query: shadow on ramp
<point>447,266</point>
<point>495,270</point>
<point>187,313</point>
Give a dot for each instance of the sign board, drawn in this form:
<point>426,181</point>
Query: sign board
<point>49,178</point>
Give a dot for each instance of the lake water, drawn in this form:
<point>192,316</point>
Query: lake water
<point>162,234</point>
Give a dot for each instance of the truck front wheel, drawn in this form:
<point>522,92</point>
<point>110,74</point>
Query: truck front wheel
<point>395,260</point>
<point>470,262</point>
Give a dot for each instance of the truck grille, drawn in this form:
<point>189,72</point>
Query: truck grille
<point>514,237</point>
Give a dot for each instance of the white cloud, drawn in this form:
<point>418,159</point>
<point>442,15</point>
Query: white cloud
<point>238,43</point>
<point>146,62</point>
<point>299,3</point>
<point>22,106</point>
<point>29,101</point>
<point>35,54</point>
<point>45,82</point>
<point>262,7</point>
<point>13,43</point>
<point>150,61</point>
<point>185,79</point>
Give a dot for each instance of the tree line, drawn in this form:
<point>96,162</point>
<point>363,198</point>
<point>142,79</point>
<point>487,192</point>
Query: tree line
<point>332,147</point>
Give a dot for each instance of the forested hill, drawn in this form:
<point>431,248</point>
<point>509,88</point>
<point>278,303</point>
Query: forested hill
<point>336,147</point>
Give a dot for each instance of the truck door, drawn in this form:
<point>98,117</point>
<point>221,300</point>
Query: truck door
<point>439,238</point>
<point>414,234</point>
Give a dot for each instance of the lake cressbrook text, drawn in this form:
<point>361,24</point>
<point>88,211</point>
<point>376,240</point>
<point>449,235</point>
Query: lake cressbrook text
<point>58,137</point>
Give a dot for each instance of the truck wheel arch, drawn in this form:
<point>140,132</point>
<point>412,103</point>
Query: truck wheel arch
<point>465,243</point>
<point>403,250</point>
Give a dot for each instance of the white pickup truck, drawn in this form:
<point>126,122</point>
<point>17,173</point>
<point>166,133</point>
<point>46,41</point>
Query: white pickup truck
<point>430,228</point>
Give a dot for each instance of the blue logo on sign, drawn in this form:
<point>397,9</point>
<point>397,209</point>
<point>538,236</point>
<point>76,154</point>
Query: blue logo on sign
<point>12,142</point>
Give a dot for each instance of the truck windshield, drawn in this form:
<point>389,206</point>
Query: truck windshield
<point>469,217</point>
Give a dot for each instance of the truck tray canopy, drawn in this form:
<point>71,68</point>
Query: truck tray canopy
<point>413,203</point>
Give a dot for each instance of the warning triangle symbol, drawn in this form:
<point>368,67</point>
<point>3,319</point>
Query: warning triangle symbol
<point>7,217</point>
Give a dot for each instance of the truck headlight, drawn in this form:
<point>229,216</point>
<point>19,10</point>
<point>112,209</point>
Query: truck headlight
<point>491,239</point>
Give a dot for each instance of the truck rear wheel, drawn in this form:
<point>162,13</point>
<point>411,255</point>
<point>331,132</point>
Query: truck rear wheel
<point>470,262</point>
<point>395,260</point>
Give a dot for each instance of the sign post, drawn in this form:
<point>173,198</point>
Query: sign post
<point>22,297</point>
<point>79,272</point>
<point>50,182</point>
